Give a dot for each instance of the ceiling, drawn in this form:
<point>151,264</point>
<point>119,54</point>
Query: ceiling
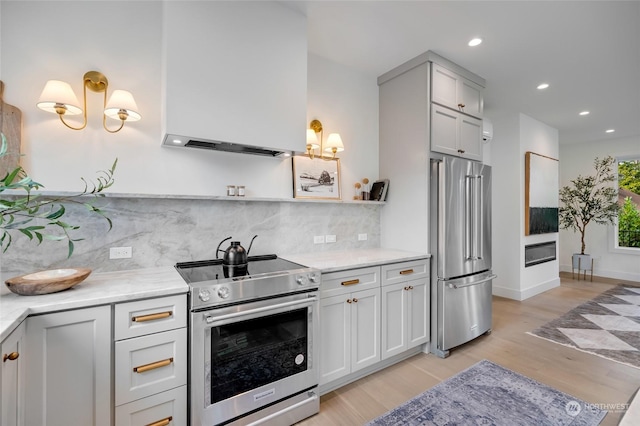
<point>588,52</point>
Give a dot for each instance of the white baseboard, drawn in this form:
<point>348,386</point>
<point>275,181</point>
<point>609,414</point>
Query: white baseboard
<point>522,294</point>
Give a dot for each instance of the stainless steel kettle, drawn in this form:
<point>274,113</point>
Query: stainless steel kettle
<point>235,254</point>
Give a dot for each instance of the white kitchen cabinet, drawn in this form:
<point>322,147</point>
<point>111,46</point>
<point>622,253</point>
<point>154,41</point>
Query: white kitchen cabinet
<point>349,322</point>
<point>12,378</point>
<point>68,379</point>
<point>151,361</point>
<point>409,139</point>
<point>455,133</point>
<point>405,307</point>
<point>454,91</point>
<point>235,73</point>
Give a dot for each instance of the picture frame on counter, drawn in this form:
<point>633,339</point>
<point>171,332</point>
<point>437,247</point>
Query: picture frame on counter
<point>316,178</point>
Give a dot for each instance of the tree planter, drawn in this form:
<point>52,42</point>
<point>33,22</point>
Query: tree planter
<point>581,262</point>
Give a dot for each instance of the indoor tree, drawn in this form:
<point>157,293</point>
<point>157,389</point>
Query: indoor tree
<point>589,199</point>
<point>36,216</point>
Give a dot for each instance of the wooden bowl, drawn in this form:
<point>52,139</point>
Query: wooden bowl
<point>46,282</point>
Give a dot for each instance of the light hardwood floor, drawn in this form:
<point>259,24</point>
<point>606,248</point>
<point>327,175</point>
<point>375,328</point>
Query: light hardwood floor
<point>585,376</point>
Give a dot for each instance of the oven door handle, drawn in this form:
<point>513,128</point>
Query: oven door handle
<point>214,318</point>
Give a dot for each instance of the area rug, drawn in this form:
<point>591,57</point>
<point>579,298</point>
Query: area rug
<point>488,394</point>
<point>607,326</point>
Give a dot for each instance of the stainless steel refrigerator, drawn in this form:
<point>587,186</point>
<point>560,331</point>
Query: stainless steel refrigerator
<point>460,233</point>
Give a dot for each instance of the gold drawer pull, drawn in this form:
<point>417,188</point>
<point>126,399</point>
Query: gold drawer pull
<point>11,357</point>
<point>163,422</point>
<point>152,317</point>
<point>406,272</point>
<point>152,366</point>
<point>351,282</point>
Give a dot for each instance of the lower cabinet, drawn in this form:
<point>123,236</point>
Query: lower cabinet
<point>68,379</point>
<point>368,315</point>
<point>350,330</point>
<point>151,362</point>
<point>12,378</point>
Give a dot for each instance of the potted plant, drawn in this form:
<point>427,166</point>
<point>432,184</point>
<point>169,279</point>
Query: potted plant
<point>35,216</point>
<point>589,199</point>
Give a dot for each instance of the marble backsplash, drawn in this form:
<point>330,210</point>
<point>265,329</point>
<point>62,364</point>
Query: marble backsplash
<point>163,231</point>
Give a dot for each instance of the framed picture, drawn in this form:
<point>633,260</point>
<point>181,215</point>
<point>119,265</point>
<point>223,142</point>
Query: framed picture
<point>316,178</point>
<point>541,194</point>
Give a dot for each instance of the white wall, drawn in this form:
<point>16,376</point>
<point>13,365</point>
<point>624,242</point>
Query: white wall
<point>578,160</point>
<point>515,134</point>
<point>62,40</point>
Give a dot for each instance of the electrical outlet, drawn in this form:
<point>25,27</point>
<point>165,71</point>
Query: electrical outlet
<point>119,252</point>
<point>362,237</point>
<point>318,239</point>
<point>330,238</point>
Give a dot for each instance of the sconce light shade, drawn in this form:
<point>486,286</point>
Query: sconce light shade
<point>122,103</point>
<point>312,139</point>
<point>334,143</point>
<point>58,96</point>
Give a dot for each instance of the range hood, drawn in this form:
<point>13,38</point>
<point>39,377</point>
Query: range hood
<point>177,141</point>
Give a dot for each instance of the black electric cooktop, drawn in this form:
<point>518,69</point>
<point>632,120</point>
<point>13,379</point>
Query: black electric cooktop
<point>214,269</point>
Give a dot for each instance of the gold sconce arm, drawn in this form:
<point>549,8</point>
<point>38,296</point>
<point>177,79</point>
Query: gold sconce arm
<point>333,144</point>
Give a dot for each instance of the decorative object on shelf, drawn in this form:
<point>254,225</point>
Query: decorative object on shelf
<point>333,145</point>
<point>589,199</point>
<point>47,282</point>
<point>358,194</point>
<point>540,199</point>
<point>365,189</point>
<point>58,97</point>
<point>316,178</point>
<point>10,125</point>
<point>379,190</point>
<point>32,214</point>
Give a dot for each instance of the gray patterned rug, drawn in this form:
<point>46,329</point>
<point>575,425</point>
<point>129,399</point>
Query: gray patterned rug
<point>607,326</point>
<point>488,394</point>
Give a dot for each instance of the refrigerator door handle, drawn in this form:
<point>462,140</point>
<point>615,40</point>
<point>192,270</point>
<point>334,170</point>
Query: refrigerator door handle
<point>479,227</point>
<point>484,280</point>
<point>468,218</point>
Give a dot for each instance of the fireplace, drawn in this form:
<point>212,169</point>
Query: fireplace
<point>535,254</point>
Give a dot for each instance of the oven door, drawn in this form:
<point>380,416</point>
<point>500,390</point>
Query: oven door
<point>248,356</point>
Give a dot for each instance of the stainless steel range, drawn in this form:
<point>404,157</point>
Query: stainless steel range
<point>252,353</point>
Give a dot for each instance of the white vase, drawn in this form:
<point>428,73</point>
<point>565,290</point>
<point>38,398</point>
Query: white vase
<point>582,262</point>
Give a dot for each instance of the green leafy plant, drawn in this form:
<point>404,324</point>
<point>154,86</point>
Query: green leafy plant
<point>589,199</point>
<point>36,216</point>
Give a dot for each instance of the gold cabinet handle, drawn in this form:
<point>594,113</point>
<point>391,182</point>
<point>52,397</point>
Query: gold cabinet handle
<point>461,105</point>
<point>153,365</point>
<point>163,422</point>
<point>348,300</point>
<point>410,287</point>
<point>152,317</point>
<point>11,357</point>
<point>461,151</point>
<point>406,272</point>
<point>406,288</point>
<point>351,282</point>
<point>355,300</point>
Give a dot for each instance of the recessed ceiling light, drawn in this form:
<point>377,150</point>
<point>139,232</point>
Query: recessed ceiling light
<point>543,86</point>
<point>475,42</point>
<point>610,130</point>
<point>584,113</point>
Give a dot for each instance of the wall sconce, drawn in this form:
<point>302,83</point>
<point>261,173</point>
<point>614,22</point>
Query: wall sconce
<point>58,97</point>
<point>334,141</point>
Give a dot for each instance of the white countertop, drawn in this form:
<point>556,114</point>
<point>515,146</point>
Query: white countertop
<point>331,261</point>
<point>113,287</point>
<point>98,289</point>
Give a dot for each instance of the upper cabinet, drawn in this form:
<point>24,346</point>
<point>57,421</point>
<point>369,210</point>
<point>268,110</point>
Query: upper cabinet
<point>235,74</point>
<point>455,91</point>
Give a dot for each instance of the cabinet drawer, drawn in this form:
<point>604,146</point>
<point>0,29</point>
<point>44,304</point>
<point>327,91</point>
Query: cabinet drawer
<point>167,408</point>
<point>142,317</point>
<point>150,364</point>
<point>335,283</point>
<point>405,271</point>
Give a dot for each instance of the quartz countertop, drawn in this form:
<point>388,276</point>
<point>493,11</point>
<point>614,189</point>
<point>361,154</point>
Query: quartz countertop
<point>331,261</point>
<point>99,288</point>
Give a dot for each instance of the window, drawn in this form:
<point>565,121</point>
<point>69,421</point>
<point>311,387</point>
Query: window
<point>628,228</point>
